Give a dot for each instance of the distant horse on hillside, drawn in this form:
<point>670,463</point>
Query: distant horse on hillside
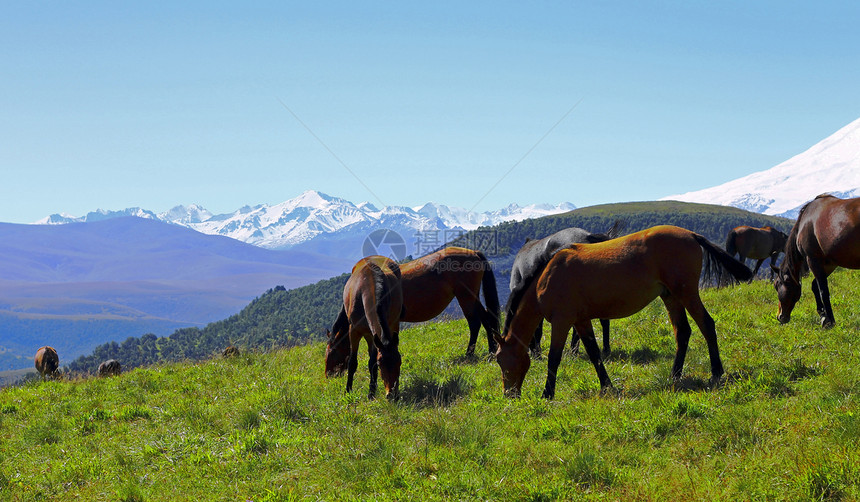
<point>756,243</point>
<point>47,362</point>
<point>826,235</point>
<point>535,254</point>
<point>111,367</point>
<point>372,308</point>
<point>611,280</point>
<point>429,284</point>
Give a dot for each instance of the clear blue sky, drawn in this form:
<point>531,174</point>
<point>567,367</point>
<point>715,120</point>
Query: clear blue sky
<point>112,105</point>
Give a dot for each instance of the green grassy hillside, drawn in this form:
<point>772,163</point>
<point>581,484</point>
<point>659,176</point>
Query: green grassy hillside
<point>785,425</point>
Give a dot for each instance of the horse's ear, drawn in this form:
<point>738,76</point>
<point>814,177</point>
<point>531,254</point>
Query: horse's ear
<point>328,334</point>
<point>378,342</point>
<point>528,239</point>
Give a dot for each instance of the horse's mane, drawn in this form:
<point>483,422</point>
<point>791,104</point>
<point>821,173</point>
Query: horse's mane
<point>517,295</point>
<point>378,282</point>
<point>793,262</point>
<point>340,323</point>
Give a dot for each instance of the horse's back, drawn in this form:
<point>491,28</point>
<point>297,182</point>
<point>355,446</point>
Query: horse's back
<point>619,277</point>
<point>837,231</point>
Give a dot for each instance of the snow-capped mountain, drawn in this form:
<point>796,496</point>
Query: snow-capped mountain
<point>832,165</point>
<point>314,214</point>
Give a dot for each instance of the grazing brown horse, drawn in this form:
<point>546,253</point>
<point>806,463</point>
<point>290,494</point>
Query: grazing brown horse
<point>230,351</point>
<point>535,254</point>
<point>611,280</point>
<point>429,284</point>
<point>111,367</point>
<point>47,362</point>
<point>756,243</point>
<point>826,235</point>
<point>372,309</point>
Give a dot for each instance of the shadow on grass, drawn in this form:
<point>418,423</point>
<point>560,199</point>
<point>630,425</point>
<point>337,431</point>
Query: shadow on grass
<point>430,393</point>
<point>641,355</point>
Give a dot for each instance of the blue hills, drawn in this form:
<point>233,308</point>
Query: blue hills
<point>78,285</point>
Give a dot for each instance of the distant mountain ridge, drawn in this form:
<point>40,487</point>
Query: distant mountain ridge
<point>314,214</point>
<point>830,166</point>
<point>78,285</point>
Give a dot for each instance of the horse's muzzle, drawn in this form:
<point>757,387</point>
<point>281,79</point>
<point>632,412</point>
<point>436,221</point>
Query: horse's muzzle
<point>783,319</point>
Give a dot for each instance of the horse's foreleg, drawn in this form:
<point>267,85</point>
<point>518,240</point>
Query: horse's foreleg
<point>352,365</point>
<point>534,345</point>
<point>822,300</point>
<point>604,324</point>
<point>372,369</point>
<point>556,348</point>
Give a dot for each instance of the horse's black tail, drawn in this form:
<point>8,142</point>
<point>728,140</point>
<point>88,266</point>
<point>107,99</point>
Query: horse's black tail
<point>730,244</point>
<point>491,294</point>
<point>613,232</point>
<point>718,262</point>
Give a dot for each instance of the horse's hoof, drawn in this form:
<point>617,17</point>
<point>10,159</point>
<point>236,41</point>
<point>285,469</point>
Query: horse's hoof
<point>827,323</point>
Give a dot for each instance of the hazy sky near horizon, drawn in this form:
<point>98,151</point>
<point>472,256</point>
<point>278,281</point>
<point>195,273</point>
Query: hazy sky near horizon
<point>473,104</point>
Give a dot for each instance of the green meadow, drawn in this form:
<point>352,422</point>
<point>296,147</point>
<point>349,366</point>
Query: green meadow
<point>784,424</point>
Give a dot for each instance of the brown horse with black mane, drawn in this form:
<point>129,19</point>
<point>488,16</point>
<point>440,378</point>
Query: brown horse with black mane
<point>372,309</point>
<point>611,280</point>
<point>429,284</point>
<point>826,235</point>
<point>756,243</point>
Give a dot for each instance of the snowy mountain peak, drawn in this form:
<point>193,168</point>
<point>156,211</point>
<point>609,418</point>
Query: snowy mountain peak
<point>830,166</point>
<point>315,214</point>
<point>186,214</point>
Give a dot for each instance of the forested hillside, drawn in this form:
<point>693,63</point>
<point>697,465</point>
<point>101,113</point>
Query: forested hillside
<point>278,318</point>
<point>283,318</point>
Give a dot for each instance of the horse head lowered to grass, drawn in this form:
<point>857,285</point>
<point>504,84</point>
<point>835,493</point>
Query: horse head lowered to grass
<point>372,309</point>
<point>825,236</point>
<point>611,280</point>
<point>429,284</point>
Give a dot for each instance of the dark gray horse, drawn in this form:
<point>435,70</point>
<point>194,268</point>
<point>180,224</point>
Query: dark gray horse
<point>533,257</point>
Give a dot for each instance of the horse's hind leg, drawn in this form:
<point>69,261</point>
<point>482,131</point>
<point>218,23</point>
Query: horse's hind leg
<point>604,325</point>
<point>352,364</point>
<point>586,336</point>
<point>681,327</point>
<point>472,311</point>
<point>706,325</point>
<point>757,265</point>
<point>574,342</point>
